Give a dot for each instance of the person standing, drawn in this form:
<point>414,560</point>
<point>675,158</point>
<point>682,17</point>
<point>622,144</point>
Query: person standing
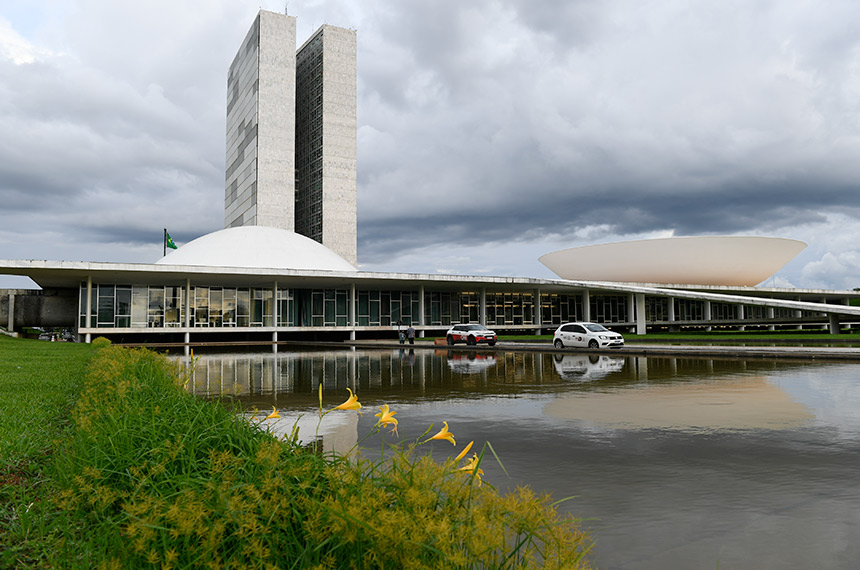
<point>410,334</point>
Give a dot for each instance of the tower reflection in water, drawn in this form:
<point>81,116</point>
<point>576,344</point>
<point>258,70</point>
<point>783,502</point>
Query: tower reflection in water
<point>663,392</point>
<point>292,379</point>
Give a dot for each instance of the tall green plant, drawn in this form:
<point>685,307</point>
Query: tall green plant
<point>157,478</point>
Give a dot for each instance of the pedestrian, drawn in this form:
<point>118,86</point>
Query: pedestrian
<point>410,334</point>
<point>400,334</point>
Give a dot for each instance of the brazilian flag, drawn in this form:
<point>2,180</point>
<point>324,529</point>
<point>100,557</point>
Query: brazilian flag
<point>168,241</point>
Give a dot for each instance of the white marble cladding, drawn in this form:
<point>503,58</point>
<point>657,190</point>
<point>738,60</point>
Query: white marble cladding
<point>241,176</point>
<point>339,155</point>
<point>260,179</point>
<point>276,163</point>
<point>260,183</point>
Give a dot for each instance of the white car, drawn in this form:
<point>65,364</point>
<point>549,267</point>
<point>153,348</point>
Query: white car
<point>586,335</point>
<point>470,334</point>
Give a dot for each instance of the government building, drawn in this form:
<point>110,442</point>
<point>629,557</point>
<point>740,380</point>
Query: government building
<point>285,265</point>
<point>291,133</point>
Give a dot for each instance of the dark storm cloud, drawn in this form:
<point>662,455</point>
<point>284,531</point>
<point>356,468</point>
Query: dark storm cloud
<point>515,121</point>
<point>616,211</point>
<point>123,161</point>
<point>487,124</point>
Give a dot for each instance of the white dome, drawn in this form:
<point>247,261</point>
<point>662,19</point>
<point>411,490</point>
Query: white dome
<point>257,247</point>
<point>704,260</point>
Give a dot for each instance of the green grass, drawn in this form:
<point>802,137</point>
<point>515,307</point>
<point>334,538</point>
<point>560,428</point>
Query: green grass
<point>37,379</point>
<point>147,476</point>
<point>38,384</point>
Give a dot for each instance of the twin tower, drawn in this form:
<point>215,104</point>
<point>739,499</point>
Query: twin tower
<point>291,133</point>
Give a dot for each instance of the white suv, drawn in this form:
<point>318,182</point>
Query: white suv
<point>470,334</point>
<point>586,335</point>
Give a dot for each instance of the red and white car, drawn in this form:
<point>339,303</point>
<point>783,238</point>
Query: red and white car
<point>471,334</point>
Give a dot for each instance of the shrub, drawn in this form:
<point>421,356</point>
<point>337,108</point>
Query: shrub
<point>100,342</point>
<point>156,477</point>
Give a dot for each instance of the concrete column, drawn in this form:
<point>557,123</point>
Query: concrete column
<point>672,309</point>
<point>739,315</point>
<point>421,332</point>
<point>88,319</point>
<point>631,309</point>
<point>187,305</point>
<point>834,323</point>
<point>11,316</point>
<point>640,314</point>
<point>483,310</point>
<point>275,307</point>
<point>586,305</point>
<point>187,342</point>
<point>536,308</point>
<point>275,341</point>
<point>770,316</point>
<point>708,316</point>
<point>352,320</point>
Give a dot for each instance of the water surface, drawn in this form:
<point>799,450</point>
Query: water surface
<point>675,462</point>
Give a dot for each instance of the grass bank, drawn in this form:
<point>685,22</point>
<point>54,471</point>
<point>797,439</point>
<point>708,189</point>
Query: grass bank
<point>148,476</point>
<point>39,382</point>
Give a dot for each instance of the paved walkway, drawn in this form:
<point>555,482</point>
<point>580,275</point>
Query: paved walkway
<point>644,349</point>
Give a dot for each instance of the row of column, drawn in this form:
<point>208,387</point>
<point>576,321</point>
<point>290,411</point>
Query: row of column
<point>636,308</point>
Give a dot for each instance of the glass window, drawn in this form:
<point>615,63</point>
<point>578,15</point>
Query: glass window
<point>201,307</point>
<point>243,307</point>
<point>123,306</point>
<point>216,296</point>
<point>139,302</point>
<point>106,305</point>
<point>155,316</point>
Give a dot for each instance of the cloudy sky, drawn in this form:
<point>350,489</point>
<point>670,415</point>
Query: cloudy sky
<point>490,132</point>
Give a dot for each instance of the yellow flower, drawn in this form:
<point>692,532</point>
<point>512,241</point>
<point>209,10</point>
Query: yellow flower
<point>445,434</point>
<point>350,404</point>
<point>471,466</point>
<point>274,414</point>
<point>386,417</point>
<point>463,453</point>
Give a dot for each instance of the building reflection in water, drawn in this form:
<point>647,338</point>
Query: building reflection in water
<point>696,453</point>
<point>580,382</point>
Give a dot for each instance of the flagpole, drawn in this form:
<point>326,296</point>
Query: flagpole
<point>164,243</point>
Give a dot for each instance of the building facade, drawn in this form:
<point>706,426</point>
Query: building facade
<point>291,172</point>
<point>291,156</point>
<point>212,303</point>
<point>326,149</point>
<point>261,99</point>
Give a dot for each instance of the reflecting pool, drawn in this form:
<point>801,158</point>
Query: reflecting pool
<point>674,462</point>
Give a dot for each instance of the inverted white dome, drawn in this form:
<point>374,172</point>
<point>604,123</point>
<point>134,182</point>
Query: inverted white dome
<point>257,247</point>
<point>705,260</point>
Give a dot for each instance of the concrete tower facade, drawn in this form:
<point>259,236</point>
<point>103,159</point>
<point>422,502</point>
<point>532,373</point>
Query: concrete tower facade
<point>326,158</point>
<point>291,133</point>
<point>261,126</point>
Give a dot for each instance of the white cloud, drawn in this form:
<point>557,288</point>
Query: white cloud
<point>489,132</point>
<point>14,48</point>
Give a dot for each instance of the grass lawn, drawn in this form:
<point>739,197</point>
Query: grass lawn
<point>39,382</point>
<point>108,462</point>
